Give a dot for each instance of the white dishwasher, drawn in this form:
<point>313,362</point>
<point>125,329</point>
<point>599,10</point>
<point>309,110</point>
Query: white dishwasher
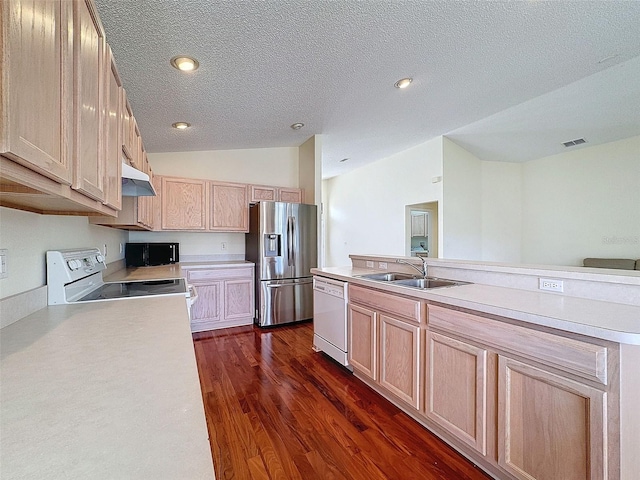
<point>330,318</point>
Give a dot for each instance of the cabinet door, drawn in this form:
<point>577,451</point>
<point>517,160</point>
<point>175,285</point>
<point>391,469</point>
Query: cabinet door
<point>128,131</point>
<point>229,207</point>
<point>37,82</point>
<point>208,306</point>
<point>363,339</point>
<point>549,427</point>
<point>146,204</point>
<point>400,370</point>
<point>291,195</point>
<point>456,388</point>
<point>238,299</point>
<point>262,193</point>
<point>89,47</point>
<point>113,134</point>
<point>183,204</point>
<point>419,225</point>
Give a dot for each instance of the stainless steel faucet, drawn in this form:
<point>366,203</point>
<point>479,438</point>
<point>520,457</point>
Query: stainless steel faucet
<point>423,270</point>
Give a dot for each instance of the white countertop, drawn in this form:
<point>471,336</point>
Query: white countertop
<point>103,390</point>
<point>162,272</point>
<point>606,320</point>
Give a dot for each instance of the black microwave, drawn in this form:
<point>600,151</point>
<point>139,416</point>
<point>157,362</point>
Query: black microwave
<point>149,254</point>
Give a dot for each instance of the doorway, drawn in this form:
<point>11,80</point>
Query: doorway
<point>421,229</point>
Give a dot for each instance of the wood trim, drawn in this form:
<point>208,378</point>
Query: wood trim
<point>580,358</point>
<point>407,308</point>
<point>53,198</point>
<point>529,402</point>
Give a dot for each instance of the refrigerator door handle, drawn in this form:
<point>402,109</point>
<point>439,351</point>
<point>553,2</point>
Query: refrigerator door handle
<point>290,236</point>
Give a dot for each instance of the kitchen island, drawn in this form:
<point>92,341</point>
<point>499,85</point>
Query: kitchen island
<point>103,390</point>
<point>525,383</point>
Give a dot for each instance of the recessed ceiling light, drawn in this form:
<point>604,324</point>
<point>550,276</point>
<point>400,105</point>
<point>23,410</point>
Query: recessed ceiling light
<point>186,64</point>
<point>297,126</point>
<point>181,125</point>
<point>344,160</point>
<point>403,82</point>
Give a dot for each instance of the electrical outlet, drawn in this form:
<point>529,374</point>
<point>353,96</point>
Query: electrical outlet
<point>369,264</point>
<point>223,245</point>
<point>104,250</point>
<point>382,265</point>
<point>551,285</point>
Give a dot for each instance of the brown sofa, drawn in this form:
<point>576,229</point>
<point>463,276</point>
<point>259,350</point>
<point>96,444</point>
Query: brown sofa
<point>619,263</point>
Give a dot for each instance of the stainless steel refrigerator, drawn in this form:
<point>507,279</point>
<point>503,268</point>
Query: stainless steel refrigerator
<point>282,242</point>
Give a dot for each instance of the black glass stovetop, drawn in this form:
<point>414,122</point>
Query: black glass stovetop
<point>110,291</point>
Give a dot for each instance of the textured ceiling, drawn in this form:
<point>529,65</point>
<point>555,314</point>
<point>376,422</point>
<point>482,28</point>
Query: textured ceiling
<point>484,72</point>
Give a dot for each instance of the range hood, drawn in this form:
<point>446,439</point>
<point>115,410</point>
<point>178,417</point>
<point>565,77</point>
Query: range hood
<point>135,183</point>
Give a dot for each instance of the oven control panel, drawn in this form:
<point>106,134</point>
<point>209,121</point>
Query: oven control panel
<point>72,273</point>
<point>70,265</point>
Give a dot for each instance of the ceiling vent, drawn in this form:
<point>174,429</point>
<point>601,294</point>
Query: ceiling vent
<point>577,141</point>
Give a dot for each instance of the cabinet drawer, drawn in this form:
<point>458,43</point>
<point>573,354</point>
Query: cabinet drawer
<point>406,308</point>
<point>202,274</point>
<point>580,358</point>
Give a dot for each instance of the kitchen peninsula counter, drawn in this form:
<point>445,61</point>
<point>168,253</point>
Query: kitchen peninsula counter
<point>163,272</point>
<point>607,320</point>
<point>103,390</point>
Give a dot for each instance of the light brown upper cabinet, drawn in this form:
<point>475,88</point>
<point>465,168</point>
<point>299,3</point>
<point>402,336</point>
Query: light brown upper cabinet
<point>146,205</point>
<point>184,204</point>
<point>37,97</point>
<point>260,193</point>
<point>53,112</point>
<point>229,207</point>
<point>88,58</point>
<point>129,144</point>
<point>290,195</point>
<point>113,134</point>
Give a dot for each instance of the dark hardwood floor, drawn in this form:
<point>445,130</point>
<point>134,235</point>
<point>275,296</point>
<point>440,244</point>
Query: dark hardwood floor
<point>277,410</point>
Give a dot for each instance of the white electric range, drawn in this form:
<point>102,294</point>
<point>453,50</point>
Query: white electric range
<point>75,276</point>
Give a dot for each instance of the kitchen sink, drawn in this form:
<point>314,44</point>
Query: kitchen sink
<point>409,280</point>
<point>428,282</point>
<point>389,277</point>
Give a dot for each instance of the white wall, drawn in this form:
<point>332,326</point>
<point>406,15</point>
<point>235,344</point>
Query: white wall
<point>461,203</point>
<point>263,166</point>
<point>365,208</point>
<point>583,203</point>
<point>27,236</point>
<point>554,210</point>
<point>502,212</point>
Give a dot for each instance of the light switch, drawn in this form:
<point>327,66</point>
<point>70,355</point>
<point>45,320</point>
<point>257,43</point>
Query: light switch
<point>3,263</point>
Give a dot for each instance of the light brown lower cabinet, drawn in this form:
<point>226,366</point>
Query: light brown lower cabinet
<point>363,338</point>
<point>225,297</point>
<point>400,369</point>
<point>457,389</point>
<point>549,426</point>
<point>385,342</point>
<point>524,403</point>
